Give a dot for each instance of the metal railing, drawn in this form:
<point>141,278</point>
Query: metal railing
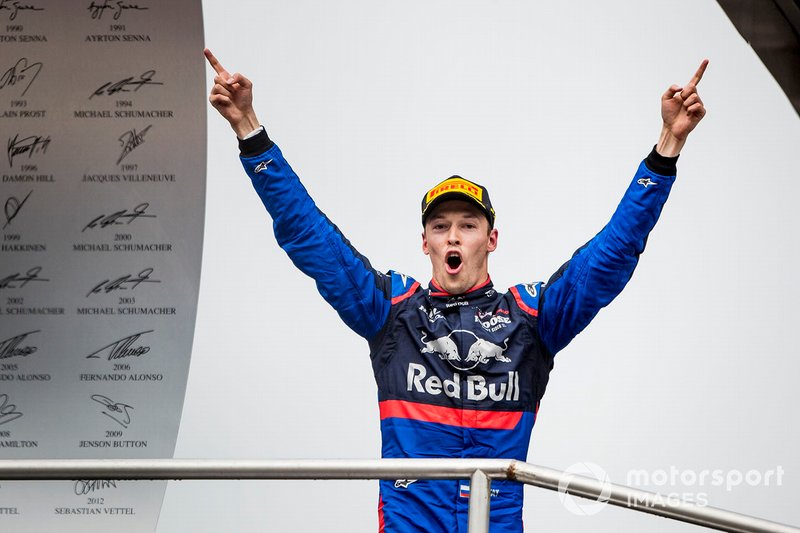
<point>481,472</point>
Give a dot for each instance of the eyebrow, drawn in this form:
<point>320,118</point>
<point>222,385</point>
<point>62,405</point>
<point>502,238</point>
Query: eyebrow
<point>439,215</point>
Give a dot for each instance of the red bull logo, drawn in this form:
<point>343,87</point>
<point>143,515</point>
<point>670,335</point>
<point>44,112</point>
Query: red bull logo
<point>477,389</point>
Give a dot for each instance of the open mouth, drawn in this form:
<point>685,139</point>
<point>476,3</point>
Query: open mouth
<point>453,261</point>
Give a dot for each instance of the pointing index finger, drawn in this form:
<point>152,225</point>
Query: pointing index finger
<point>699,74</point>
<point>215,64</point>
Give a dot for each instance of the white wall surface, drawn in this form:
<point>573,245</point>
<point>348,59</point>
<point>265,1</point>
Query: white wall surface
<point>552,105</point>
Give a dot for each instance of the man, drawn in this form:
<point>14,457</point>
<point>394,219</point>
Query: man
<point>460,367</point>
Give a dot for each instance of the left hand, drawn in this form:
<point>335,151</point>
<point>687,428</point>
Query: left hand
<point>681,110</point>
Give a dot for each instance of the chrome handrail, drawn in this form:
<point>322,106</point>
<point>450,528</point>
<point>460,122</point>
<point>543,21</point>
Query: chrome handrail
<point>480,471</point>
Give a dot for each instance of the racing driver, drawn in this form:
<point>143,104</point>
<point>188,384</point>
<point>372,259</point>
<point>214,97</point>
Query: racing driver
<point>460,365</point>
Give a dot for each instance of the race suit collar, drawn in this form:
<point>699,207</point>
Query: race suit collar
<point>480,290</point>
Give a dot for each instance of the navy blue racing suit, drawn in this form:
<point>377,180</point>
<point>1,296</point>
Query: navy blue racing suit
<point>457,375</point>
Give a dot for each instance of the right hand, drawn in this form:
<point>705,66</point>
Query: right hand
<point>232,97</point>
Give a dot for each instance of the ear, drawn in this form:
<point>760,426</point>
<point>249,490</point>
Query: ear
<point>491,246</point>
<point>425,245</point>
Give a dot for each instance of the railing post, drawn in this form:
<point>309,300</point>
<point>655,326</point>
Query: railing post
<point>480,487</point>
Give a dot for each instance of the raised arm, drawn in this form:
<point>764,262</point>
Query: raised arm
<point>360,294</point>
<point>599,270</point>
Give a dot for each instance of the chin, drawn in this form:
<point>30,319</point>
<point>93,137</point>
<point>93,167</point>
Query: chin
<point>456,287</point>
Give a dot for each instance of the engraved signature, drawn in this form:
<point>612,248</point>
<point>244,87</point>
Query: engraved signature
<point>87,486</point>
<point>122,348</point>
<point>31,145</point>
<point>118,412</point>
<point>18,280</point>
<point>124,85</point>
<point>123,282</point>
<point>19,73</point>
<point>8,411</point>
<point>120,217</point>
<point>16,7</point>
<point>9,347</point>
<point>97,9</point>
<point>12,207</point>
<point>130,140</point>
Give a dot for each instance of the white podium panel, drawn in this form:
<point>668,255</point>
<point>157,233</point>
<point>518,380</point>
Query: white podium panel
<point>102,191</point>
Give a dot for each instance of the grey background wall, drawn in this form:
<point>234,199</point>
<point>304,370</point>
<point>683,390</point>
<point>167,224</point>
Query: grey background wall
<point>551,105</point>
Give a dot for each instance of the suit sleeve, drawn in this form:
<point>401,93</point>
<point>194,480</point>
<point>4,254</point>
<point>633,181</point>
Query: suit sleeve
<point>599,270</point>
<point>360,294</point>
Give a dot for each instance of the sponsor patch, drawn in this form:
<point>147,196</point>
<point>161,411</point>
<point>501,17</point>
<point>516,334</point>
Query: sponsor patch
<point>433,314</point>
<point>530,288</point>
<point>455,184</point>
<point>480,351</point>
<point>491,322</point>
<point>646,182</point>
<point>464,491</point>
<point>262,166</point>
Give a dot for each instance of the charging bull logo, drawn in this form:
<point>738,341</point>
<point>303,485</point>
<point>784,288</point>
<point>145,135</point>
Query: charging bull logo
<point>444,347</point>
<point>480,351</point>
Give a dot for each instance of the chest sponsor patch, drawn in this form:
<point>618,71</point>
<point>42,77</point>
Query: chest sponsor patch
<point>480,350</point>
<point>492,322</point>
<point>476,388</point>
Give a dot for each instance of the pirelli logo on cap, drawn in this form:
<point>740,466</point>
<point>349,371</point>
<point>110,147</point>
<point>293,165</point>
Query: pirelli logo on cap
<point>454,188</point>
<point>455,185</point>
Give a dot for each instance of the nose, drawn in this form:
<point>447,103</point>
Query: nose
<point>453,236</point>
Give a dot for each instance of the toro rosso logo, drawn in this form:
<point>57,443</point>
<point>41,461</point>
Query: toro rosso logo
<point>480,351</point>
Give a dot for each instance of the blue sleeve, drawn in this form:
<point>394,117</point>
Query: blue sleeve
<point>360,294</point>
<point>599,270</point>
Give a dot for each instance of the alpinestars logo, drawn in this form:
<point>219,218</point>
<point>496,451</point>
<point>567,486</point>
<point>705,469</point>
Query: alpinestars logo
<point>646,182</point>
<point>479,351</point>
<point>262,166</point>
<point>403,483</point>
